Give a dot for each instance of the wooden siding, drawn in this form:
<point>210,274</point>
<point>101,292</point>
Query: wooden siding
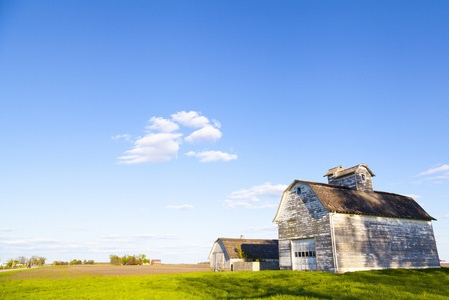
<point>354,180</point>
<point>303,216</point>
<point>369,242</point>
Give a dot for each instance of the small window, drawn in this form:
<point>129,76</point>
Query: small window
<point>363,177</point>
<point>298,190</point>
<point>296,254</point>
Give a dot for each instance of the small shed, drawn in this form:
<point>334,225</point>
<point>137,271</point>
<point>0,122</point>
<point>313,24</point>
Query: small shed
<point>155,262</point>
<point>226,251</point>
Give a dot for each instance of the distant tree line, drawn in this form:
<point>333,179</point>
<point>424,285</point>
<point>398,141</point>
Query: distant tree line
<point>23,261</point>
<point>73,262</point>
<point>128,259</point>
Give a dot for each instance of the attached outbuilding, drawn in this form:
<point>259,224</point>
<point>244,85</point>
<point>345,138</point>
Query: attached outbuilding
<point>347,226</point>
<point>226,252</point>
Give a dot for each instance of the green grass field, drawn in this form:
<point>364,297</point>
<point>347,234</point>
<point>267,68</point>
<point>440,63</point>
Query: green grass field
<point>387,284</point>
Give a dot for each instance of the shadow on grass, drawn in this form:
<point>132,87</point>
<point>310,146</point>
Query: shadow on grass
<point>400,284</point>
<point>416,281</point>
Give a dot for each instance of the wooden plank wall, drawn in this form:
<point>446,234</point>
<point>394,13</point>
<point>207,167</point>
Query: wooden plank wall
<point>303,216</point>
<point>370,242</point>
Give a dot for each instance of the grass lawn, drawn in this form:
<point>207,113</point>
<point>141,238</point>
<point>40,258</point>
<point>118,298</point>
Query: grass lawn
<point>386,284</point>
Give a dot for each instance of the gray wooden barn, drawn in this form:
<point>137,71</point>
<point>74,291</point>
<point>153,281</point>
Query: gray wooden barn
<point>225,252</point>
<point>347,226</point>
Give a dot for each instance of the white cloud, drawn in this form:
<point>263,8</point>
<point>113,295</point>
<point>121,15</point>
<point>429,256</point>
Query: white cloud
<point>250,198</point>
<point>181,207</point>
<point>205,134</point>
<point>162,125</point>
<point>162,140</point>
<point>5,229</point>
<point>435,170</point>
<point>153,147</point>
<point>211,156</point>
<point>126,137</point>
<point>190,119</point>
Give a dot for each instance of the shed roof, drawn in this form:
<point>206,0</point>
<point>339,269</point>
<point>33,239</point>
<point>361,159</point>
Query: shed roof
<point>253,248</point>
<point>342,199</point>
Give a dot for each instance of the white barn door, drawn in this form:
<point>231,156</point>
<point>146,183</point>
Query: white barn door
<point>304,255</point>
<point>218,262</point>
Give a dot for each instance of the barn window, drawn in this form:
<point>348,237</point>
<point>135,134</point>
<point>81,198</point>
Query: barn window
<point>363,177</point>
<point>298,190</point>
<point>296,254</point>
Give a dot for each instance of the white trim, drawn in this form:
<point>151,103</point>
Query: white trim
<point>284,195</point>
<point>334,246</point>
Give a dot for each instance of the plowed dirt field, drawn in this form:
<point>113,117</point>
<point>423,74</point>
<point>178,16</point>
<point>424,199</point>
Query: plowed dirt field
<point>56,272</point>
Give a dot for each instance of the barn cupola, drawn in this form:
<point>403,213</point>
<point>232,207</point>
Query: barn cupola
<point>357,178</point>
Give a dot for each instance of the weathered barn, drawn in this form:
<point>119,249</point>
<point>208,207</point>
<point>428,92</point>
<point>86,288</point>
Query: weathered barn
<point>225,252</point>
<point>347,226</point>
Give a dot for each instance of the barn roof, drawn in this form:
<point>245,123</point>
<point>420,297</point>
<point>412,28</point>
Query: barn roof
<point>342,199</point>
<point>254,248</point>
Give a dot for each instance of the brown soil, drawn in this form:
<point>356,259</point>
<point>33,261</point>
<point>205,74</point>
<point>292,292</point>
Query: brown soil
<point>56,272</point>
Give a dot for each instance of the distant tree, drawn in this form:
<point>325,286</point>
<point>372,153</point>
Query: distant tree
<point>76,262</point>
<point>22,260</point>
<point>114,260</point>
<point>11,263</point>
<point>143,259</point>
<point>90,262</point>
<point>41,261</point>
<point>33,261</point>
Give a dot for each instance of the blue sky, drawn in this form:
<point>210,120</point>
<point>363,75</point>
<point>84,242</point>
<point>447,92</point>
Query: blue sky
<point>156,127</point>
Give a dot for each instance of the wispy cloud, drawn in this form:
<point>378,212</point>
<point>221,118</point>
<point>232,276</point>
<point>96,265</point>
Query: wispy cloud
<point>435,175</point>
<point>435,170</point>
<point>269,228</point>
<point>181,207</point>
<point>162,140</point>
<point>126,137</point>
<point>212,156</point>
<point>5,229</point>
<point>251,197</point>
<point>414,196</point>
<point>443,217</point>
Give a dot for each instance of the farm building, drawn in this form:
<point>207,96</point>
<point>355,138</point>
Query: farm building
<point>155,262</point>
<point>225,253</point>
<point>347,226</point>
